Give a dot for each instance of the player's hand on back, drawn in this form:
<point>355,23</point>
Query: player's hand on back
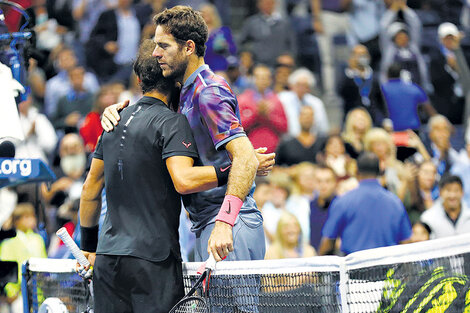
<point>221,241</point>
<point>110,117</point>
<point>266,161</point>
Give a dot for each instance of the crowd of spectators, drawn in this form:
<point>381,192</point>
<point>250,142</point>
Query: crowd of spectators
<point>402,89</point>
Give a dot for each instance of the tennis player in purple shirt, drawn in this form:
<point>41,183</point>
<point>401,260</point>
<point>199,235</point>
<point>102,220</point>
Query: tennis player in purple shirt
<point>225,219</point>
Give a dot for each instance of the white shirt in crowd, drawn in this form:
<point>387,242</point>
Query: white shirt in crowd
<point>441,225</point>
<point>40,143</point>
<point>292,104</point>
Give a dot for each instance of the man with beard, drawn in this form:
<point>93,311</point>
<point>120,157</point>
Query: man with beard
<point>146,163</point>
<point>226,218</point>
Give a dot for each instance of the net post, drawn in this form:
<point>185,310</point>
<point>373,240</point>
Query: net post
<point>24,286</point>
<point>343,286</point>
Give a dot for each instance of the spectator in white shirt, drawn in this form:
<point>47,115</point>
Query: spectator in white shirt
<point>301,83</point>
<point>449,216</point>
<point>40,137</point>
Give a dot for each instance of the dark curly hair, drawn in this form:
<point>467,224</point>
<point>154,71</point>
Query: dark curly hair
<point>184,23</point>
<point>149,72</point>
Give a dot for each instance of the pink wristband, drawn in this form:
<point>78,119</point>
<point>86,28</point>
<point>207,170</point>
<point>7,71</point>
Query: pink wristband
<point>229,211</point>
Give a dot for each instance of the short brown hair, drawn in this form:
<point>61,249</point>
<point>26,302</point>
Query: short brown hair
<point>184,23</point>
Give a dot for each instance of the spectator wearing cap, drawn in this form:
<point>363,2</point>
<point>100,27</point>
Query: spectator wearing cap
<point>398,10</point>
<point>366,217</point>
<point>261,111</point>
<point>359,86</point>
<point>403,99</point>
<point>220,43</point>
<point>449,93</point>
<point>449,216</point>
<point>407,54</point>
<point>301,83</point>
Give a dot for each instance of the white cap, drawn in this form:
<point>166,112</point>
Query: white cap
<point>395,28</point>
<point>446,29</point>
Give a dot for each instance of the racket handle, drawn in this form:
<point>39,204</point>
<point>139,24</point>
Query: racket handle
<point>211,262</point>
<point>72,246</point>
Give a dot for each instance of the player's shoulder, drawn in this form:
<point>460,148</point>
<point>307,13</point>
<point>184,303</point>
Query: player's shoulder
<point>211,81</point>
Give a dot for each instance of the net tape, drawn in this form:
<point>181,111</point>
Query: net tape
<point>432,276</point>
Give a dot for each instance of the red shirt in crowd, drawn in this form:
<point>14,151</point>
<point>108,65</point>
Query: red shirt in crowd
<point>263,118</point>
<point>91,130</point>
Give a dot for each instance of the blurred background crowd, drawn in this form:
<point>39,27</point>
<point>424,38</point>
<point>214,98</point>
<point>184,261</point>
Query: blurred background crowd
<point>318,82</point>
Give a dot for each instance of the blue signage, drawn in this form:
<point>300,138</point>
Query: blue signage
<point>19,168</point>
<point>14,172</point>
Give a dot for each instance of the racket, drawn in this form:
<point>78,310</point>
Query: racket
<point>192,303</point>
<point>81,259</point>
<point>72,246</point>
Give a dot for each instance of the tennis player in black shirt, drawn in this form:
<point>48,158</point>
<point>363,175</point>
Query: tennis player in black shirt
<point>145,164</point>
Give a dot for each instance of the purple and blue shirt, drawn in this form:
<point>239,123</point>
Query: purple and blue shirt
<point>211,108</point>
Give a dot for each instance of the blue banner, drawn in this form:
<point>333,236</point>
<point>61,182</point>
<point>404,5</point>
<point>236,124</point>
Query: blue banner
<point>19,168</point>
<point>22,171</point>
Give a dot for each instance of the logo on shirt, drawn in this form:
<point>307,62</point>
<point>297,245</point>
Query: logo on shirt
<point>229,208</point>
<point>187,145</point>
<point>226,168</point>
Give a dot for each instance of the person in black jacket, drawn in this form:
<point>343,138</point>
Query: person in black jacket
<point>359,86</point>
<point>114,42</point>
<point>449,97</point>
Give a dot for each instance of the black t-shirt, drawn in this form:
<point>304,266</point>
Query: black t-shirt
<point>143,206</point>
<point>290,151</point>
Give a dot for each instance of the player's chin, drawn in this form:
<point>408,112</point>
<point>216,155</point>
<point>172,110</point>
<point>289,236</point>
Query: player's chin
<point>166,71</point>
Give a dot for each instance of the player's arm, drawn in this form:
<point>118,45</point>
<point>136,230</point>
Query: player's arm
<point>189,179</point>
<point>327,246</point>
<point>242,174</point>
<point>90,208</point>
<point>244,166</point>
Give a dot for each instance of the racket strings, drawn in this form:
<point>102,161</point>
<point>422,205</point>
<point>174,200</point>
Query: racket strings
<point>192,305</point>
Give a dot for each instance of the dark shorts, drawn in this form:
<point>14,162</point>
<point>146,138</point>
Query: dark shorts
<point>125,284</point>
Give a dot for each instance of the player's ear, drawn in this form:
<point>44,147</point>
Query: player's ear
<point>190,47</point>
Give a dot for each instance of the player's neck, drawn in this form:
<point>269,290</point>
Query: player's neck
<point>157,95</point>
<point>194,63</point>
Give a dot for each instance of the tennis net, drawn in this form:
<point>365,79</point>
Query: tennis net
<point>54,279</point>
<point>431,276</point>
